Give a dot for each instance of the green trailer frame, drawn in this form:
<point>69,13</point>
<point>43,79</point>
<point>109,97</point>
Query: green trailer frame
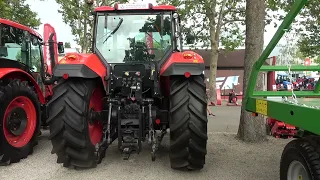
<point>300,158</point>
<point>300,115</point>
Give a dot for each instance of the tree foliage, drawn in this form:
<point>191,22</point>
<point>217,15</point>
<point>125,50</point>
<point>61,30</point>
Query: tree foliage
<point>67,45</point>
<point>75,13</point>
<point>214,24</point>
<point>290,52</point>
<point>19,11</point>
<point>223,18</point>
<point>306,26</point>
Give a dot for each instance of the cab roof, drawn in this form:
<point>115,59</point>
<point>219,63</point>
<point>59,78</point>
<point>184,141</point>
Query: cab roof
<point>132,7</point>
<point>20,26</point>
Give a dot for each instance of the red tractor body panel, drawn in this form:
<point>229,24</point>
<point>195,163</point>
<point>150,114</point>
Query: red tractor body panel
<point>20,74</point>
<point>186,57</point>
<point>90,60</point>
<point>19,26</point>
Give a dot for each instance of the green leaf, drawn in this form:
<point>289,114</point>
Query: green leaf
<point>307,26</point>
<point>19,11</point>
<point>67,45</point>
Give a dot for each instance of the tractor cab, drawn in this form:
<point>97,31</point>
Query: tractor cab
<point>20,47</point>
<point>23,48</point>
<point>142,38</point>
<point>281,78</point>
<point>136,32</point>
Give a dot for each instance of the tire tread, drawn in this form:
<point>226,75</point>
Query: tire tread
<point>9,90</point>
<point>188,123</point>
<point>68,123</point>
<point>309,148</point>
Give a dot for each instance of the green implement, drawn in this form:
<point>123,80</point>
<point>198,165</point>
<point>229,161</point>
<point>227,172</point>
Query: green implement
<point>292,113</point>
<point>300,157</point>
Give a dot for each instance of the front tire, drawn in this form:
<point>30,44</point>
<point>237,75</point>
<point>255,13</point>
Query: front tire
<point>73,138</point>
<point>188,122</point>
<point>19,121</point>
<point>300,159</point>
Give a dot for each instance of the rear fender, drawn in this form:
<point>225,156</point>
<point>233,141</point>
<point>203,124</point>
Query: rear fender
<point>181,62</point>
<point>16,73</point>
<point>81,66</point>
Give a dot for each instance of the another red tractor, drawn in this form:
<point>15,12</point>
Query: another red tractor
<point>280,129</point>
<point>22,90</point>
<point>135,85</point>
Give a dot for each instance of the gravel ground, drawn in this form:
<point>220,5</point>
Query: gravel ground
<point>227,159</point>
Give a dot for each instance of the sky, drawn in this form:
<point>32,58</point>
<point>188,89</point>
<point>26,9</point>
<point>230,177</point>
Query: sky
<point>48,12</point>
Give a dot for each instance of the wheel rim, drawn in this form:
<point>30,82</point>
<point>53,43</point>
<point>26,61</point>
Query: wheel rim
<point>95,128</point>
<point>19,121</point>
<point>297,171</point>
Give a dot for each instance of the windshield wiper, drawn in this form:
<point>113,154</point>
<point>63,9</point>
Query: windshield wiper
<point>115,30</point>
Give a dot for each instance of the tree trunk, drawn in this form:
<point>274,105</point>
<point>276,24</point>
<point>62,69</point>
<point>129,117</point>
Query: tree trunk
<point>213,61</point>
<point>213,73</point>
<point>252,129</point>
<point>85,39</point>
<point>215,28</point>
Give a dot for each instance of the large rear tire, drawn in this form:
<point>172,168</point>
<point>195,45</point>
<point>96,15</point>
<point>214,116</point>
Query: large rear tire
<point>73,138</point>
<point>19,121</point>
<point>188,122</point>
<point>300,159</point>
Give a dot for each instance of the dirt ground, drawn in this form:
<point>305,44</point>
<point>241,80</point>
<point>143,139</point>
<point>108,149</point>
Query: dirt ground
<point>227,159</point>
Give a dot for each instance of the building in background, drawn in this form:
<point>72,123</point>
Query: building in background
<point>230,70</point>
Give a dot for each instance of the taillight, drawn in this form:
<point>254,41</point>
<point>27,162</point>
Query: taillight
<point>187,56</point>
<point>187,74</point>
<point>65,76</point>
<point>71,57</point>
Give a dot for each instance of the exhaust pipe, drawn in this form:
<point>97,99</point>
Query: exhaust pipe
<point>52,62</point>
<point>51,50</point>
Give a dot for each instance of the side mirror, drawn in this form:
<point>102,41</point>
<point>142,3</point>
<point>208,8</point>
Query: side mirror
<point>60,48</point>
<point>190,39</point>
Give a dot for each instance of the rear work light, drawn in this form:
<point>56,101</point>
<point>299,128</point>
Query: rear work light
<point>136,6</point>
<point>188,55</point>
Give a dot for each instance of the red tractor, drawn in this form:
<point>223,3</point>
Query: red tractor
<point>135,85</point>
<point>22,90</point>
<point>280,129</point>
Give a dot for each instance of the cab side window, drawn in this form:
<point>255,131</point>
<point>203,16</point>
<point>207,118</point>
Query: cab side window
<point>14,44</point>
<point>35,54</point>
